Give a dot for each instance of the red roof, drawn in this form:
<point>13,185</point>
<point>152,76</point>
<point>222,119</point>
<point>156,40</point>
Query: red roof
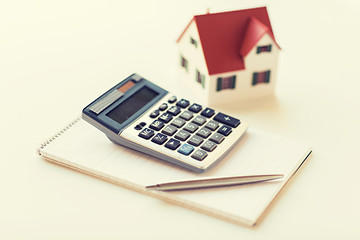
<point>227,37</point>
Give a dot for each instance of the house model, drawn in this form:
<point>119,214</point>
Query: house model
<point>229,56</point>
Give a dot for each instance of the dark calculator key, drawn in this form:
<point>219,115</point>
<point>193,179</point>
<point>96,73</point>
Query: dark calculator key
<point>199,155</point>
<point>159,138</point>
<point>169,130</point>
<point>172,99</point>
<point>186,149</point>
<point>209,146</point>
<point>154,114</point>
<point>195,108</point>
<point>183,103</point>
<point>195,140</point>
<point>174,110</point>
<point>178,122</point>
<point>182,135</point>
<point>172,144</point>
<point>138,127</point>
<point>163,107</point>
<point>204,132</point>
<point>191,127</point>
<point>199,120</point>
<point>146,133</point>
<point>212,125</point>
<point>225,130</point>
<point>225,119</point>
<point>186,115</point>
<point>217,137</point>
<point>208,112</point>
<point>156,125</point>
<point>166,117</point>
<point>142,124</point>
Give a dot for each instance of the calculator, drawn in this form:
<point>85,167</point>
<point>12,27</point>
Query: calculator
<point>138,114</point>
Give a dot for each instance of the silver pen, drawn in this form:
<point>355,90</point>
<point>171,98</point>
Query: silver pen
<point>213,182</point>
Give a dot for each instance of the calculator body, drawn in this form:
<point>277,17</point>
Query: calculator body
<point>140,115</point>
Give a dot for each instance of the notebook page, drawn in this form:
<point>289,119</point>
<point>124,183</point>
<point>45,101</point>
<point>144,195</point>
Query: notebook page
<point>258,152</point>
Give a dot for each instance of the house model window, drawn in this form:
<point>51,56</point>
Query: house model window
<point>261,49</point>
<point>193,41</point>
<point>200,78</point>
<point>184,62</point>
<point>225,83</point>
<point>261,77</point>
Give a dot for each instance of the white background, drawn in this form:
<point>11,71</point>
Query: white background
<point>57,56</point>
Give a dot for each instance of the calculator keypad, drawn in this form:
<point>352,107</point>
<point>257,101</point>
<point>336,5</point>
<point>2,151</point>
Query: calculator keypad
<point>188,128</point>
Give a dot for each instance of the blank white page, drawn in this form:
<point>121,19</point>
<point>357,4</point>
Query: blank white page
<point>86,149</point>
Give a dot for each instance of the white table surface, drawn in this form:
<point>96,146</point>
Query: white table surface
<point>57,57</point>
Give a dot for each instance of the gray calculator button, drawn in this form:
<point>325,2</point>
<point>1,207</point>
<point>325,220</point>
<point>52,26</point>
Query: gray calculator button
<point>182,135</point>
<point>166,117</point>
<point>195,140</point>
<point>163,106</point>
<point>199,120</point>
<point>187,115</point>
<point>225,130</point>
<point>169,130</point>
<point>190,127</point>
<point>156,125</point>
<point>204,132</point>
<point>199,155</point>
<point>172,99</point>
<point>212,125</point>
<point>178,122</point>
<point>146,133</point>
<point>209,146</point>
<point>217,137</point>
<point>174,110</point>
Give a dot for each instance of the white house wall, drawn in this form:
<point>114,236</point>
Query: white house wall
<point>196,60</point>
<point>244,89</point>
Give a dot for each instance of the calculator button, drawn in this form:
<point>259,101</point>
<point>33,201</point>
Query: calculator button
<point>195,140</point>
<point>146,133</point>
<point>172,144</point>
<point>225,130</point>
<point>163,107</point>
<point>154,114</point>
<point>182,135</point>
<point>142,124</point>
<point>178,122</point>
<point>217,137</point>
<point>209,146</point>
<point>190,127</point>
<point>174,110</point>
<point>199,155</point>
<point>208,112</point>
<point>223,118</point>
<point>172,99</point>
<point>159,138</point>
<point>186,115</point>
<point>138,127</point>
<point>156,125</point>
<point>166,117</point>
<point>195,108</point>
<point>186,149</point>
<point>204,132</point>
<point>199,120</point>
<point>169,130</point>
<point>212,125</point>
<point>183,103</point>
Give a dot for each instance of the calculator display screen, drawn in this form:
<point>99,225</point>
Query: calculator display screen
<point>132,104</point>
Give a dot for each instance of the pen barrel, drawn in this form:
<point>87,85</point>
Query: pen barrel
<point>217,182</point>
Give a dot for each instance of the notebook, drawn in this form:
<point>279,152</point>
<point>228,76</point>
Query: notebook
<point>83,148</point>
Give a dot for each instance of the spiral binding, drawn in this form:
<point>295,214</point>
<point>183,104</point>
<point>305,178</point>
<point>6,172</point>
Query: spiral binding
<point>58,134</point>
